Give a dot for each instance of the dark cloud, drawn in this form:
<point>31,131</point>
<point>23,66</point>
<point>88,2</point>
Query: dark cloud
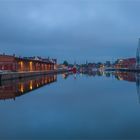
<point>73,29</point>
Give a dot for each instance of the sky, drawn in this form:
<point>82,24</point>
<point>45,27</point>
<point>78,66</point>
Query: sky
<point>73,30</point>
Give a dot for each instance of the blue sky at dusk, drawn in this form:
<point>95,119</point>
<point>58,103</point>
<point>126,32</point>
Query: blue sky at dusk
<point>75,30</point>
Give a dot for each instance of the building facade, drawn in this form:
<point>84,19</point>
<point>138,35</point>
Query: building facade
<point>125,63</point>
<point>18,64</point>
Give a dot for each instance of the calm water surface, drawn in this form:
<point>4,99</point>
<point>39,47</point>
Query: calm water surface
<point>75,106</point>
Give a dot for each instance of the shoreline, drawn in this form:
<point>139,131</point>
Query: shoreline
<point>19,75</point>
<point>124,70</point>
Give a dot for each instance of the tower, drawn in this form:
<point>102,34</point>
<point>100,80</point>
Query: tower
<point>138,55</point>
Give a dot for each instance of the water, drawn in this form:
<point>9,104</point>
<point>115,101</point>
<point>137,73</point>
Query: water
<point>92,105</point>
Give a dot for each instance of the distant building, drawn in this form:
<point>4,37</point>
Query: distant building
<point>138,55</point>
<point>125,63</point>
<point>12,63</point>
<point>61,66</point>
<point>108,64</point>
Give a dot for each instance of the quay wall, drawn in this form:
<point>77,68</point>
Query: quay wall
<point>18,75</point>
<point>124,70</point>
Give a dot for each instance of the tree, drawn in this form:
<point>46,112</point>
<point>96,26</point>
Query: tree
<point>65,63</point>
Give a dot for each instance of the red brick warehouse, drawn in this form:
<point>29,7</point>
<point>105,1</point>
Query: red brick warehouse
<point>12,63</point>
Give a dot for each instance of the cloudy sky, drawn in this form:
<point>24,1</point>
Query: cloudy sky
<point>75,30</point>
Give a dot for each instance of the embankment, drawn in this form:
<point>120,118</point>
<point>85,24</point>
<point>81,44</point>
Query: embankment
<point>17,75</point>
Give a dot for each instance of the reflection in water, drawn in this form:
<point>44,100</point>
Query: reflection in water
<point>65,75</point>
<point>130,77</point>
<point>12,89</point>
<point>75,109</point>
<point>138,84</point>
<point>126,76</point>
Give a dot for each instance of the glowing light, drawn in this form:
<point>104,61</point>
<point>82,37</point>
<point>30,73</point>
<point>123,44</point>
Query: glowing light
<point>22,88</point>
<point>120,78</point>
<point>31,66</point>
<point>63,76</point>
<point>31,85</point>
<point>21,65</point>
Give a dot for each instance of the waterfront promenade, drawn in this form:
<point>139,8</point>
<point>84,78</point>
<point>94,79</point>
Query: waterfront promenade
<point>18,75</point>
<point>123,69</point>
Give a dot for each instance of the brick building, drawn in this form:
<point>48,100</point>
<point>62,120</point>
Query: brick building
<point>12,63</point>
<point>125,63</point>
